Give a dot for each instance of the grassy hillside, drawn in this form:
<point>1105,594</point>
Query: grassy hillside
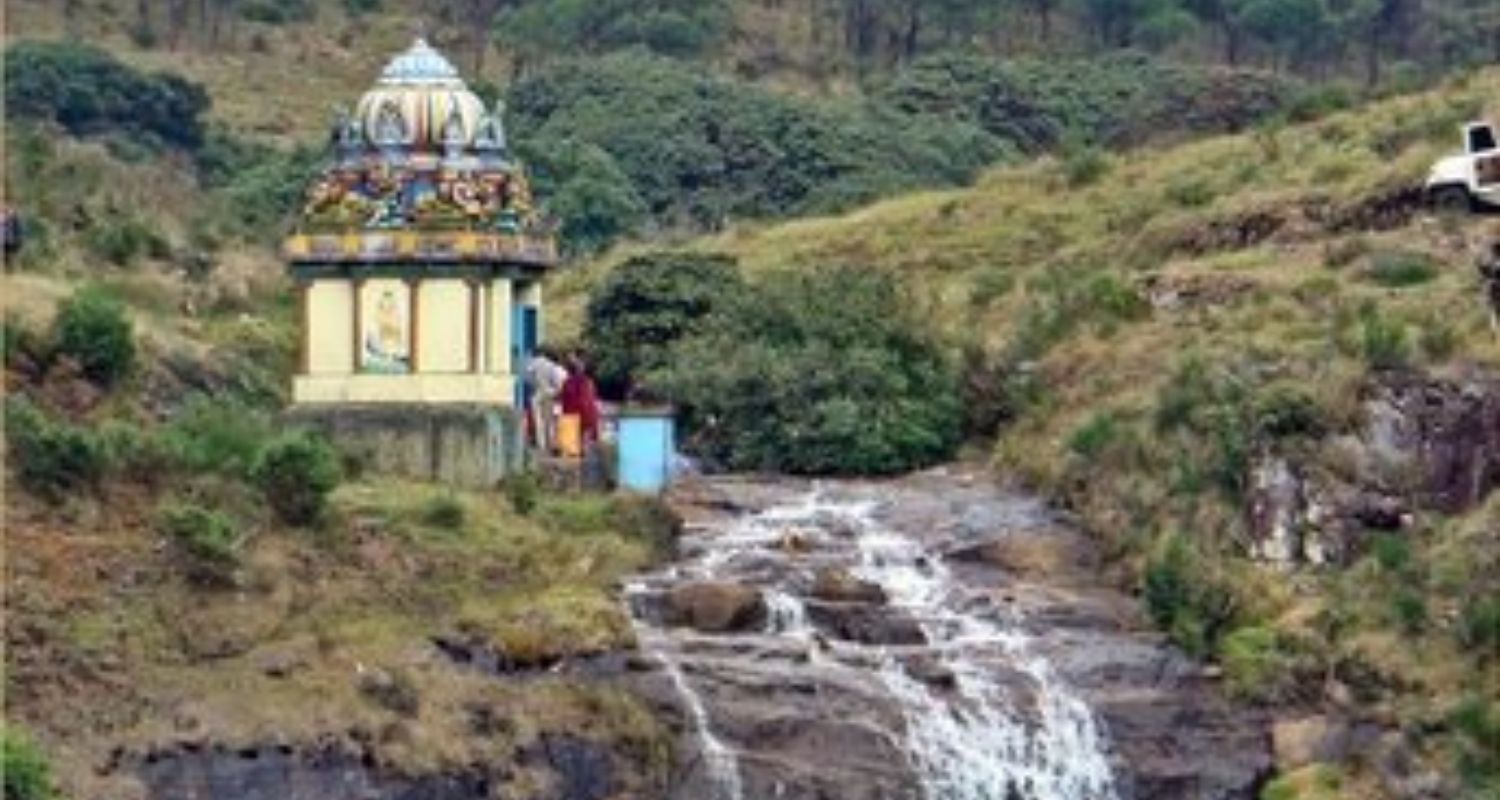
<point>1129,323</point>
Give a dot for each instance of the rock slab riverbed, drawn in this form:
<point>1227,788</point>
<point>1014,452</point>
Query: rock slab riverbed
<point>932,637</point>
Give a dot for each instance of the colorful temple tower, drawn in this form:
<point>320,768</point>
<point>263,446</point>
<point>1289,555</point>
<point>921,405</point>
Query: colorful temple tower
<point>418,261</point>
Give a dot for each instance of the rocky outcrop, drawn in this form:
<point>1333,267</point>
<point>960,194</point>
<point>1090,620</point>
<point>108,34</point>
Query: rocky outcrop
<point>1425,443</point>
<point>716,606</point>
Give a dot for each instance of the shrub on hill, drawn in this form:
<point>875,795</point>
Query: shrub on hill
<point>817,373</point>
<point>24,769</point>
<point>646,306</point>
<point>89,92</point>
<point>50,458</point>
<point>209,538</point>
<point>698,149</point>
<point>91,327</point>
<point>296,471</point>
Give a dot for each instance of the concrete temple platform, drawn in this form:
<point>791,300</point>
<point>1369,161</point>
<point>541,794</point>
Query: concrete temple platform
<point>463,445</point>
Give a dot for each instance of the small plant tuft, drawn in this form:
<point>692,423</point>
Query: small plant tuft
<point>210,539</point>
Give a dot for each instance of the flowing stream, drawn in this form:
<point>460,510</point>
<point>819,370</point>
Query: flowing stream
<point>977,712</point>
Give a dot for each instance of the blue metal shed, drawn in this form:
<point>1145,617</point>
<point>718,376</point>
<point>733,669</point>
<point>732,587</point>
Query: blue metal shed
<point>647,443</point>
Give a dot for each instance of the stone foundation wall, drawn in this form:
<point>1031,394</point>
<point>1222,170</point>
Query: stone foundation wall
<point>463,445</point>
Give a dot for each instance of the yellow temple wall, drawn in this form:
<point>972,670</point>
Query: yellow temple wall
<point>444,324</point>
<point>498,324</point>
<point>388,340</point>
<point>329,326</point>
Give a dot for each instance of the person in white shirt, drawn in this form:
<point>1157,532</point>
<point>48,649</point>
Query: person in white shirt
<point>545,378</point>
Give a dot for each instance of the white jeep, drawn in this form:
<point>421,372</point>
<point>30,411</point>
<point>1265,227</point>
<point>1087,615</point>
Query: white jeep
<point>1468,181</point>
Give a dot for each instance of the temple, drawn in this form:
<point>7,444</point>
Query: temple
<point>418,260</point>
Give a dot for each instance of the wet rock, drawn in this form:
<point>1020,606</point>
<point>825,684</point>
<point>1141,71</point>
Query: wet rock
<point>932,672</point>
<point>839,586</point>
<point>795,542</point>
<point>1308,740</point>
<point>583,769</point>
<point>716,606</point>
<point>1031,554</point>
<point>867,624</point>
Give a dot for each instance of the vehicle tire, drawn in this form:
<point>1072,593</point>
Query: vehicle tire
<point>1450,199</point>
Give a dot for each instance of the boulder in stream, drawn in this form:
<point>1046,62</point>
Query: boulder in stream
<point>716,606</point>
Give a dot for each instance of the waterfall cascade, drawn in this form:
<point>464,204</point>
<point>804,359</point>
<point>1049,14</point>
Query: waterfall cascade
<point>999,726</point>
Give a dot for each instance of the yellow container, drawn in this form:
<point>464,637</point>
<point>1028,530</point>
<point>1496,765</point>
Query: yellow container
<point>570,435</point>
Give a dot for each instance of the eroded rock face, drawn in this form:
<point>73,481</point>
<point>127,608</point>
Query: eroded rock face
<point>1446,431</point>
<point>1425,444</point>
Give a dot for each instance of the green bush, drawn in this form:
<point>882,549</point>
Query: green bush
<point>88,91</point>
<point>1085,165</point>
<point>1477,725</point>
<point>1210,413</point>
<point>1184,599</point>
<point>25,772</point>
<point>128,448</point>
<point>1392,552</point>
<point>1408,610</point>
<point>645,306</point>
<point>1259,664</point>
<point>297,471</point>
<point>1285,411</point>
<point>1383,341</point>
<point>50,458</point>
<point>445,511</point>
<point>124,241</point>
<point>209,538</point>
<point>1479,626</point>
<point>522,491</point>
<point>91,327</point>
<point>817,373</point>
<point>1096,433</point>
<point>217,435</point>
<point>1398,269</point>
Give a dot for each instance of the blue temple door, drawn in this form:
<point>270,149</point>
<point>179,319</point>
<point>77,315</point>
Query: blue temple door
<point>523,337</point>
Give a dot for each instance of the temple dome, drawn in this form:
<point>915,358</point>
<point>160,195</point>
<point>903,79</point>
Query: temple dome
<point>421,103</point>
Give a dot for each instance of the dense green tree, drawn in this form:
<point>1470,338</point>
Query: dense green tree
<point>588,193</point>
<point>88,91</point>
<point>699,149</point>
<point>1291,29</point>
<point>827,372</point>
<point>646,306</point>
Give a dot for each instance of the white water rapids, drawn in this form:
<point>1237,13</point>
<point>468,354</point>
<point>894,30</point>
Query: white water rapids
<point>1001,726</point>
